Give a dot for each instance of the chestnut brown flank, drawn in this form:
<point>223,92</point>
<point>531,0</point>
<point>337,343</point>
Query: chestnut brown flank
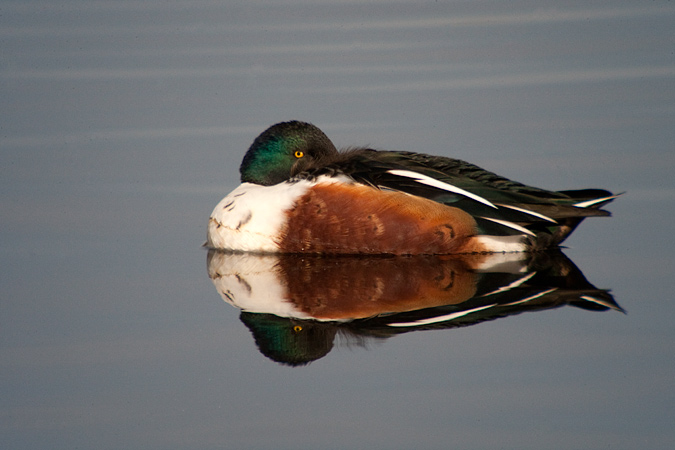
<point>343,218</point>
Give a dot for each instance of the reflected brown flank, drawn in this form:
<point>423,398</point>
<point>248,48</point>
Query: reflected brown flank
<point>350,288</point>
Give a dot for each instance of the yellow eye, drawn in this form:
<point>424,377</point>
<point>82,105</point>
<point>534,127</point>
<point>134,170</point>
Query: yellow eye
<point>297,328</point>
<point>299,154</point>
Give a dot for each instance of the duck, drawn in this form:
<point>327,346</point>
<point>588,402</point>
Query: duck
<point>300,194</point>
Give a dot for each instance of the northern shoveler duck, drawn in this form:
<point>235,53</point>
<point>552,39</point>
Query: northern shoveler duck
<point>299,194</point>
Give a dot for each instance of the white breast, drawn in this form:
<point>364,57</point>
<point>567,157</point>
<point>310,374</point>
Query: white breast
<point>250,218</point>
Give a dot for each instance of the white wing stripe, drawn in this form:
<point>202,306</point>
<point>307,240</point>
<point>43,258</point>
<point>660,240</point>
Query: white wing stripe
<point>534,297</point>
<point>508,224</point>
<point>513,285</point>
<point>527,211</point>
<point>588,203</point>
<point>439,318</point>
<point>600,302</point>
<point>424,179</point>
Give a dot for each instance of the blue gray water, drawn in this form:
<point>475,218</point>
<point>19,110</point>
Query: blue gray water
<point>124,122</point>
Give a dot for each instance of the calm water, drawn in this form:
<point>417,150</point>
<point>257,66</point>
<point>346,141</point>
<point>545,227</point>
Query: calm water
<point>123,124</point>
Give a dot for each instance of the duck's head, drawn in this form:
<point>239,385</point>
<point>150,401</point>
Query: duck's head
<point>282,150</point>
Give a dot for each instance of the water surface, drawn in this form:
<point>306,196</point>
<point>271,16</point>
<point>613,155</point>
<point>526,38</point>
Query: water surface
<point>124,123</point>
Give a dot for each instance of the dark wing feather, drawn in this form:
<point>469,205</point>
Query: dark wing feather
<point>481,193</point>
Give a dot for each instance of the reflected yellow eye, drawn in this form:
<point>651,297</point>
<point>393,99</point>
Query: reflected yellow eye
<point>297,328</point>
<point>299,154</point>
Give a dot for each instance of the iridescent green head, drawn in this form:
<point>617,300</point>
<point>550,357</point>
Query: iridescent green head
<point>283,150</point>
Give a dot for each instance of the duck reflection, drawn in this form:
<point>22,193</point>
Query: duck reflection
<point>296,305</point>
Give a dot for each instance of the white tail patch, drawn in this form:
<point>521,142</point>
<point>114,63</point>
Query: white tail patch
<point>502,244</point>
<point>424,179</point>
<point>505,262</point>
<point>512,225</point>
<point>527,211</point>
